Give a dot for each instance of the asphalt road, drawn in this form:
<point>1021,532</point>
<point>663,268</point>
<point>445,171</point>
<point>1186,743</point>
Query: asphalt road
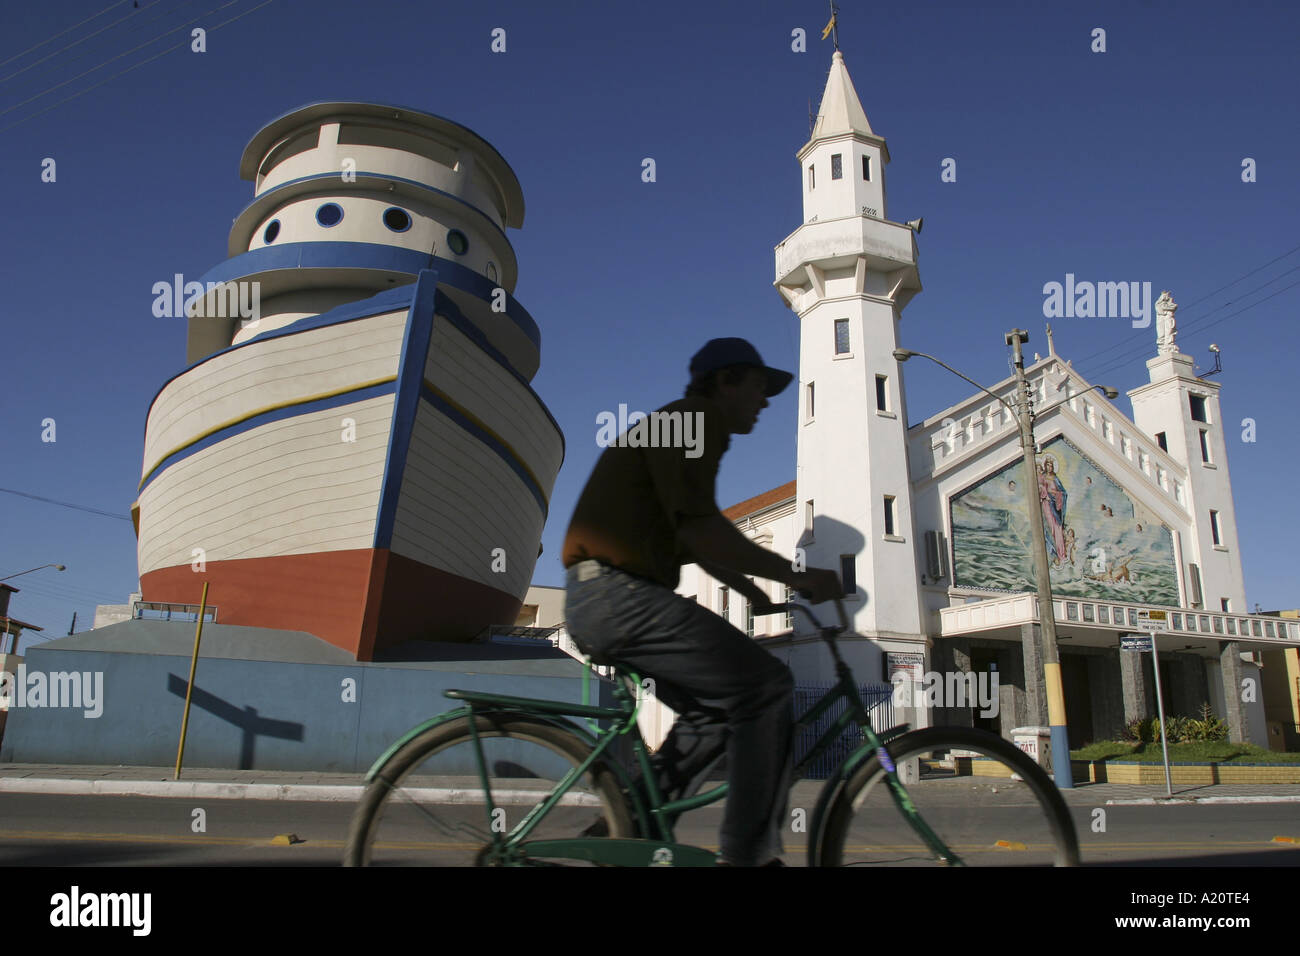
<point>49,830</point>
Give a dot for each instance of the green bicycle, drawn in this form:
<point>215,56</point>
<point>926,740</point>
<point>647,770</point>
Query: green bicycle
<point>513,781</point>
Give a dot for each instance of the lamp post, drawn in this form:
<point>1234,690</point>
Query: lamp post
<point>59,567</point>
<point>1046,613</point>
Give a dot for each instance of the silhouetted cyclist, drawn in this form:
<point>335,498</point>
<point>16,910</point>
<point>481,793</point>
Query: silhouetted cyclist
<point>648,508</point>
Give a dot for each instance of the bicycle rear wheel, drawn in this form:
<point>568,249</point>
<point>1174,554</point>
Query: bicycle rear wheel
<point>427,806</point>
<point>986,801</point>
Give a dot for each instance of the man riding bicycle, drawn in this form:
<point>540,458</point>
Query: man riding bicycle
<point>645,512</point>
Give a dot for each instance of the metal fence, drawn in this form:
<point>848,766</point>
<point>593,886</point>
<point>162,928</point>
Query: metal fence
<point>877,698</point>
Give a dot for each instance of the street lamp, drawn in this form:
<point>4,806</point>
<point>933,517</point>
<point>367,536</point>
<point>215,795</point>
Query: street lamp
<point>1046,616</point>
<point>59,567</point>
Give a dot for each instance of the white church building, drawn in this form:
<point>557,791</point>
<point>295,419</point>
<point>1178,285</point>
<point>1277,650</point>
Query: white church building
<point>929,525</point>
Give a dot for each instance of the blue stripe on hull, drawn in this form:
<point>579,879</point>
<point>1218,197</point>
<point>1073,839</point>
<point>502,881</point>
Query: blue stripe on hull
<point>266,418</point>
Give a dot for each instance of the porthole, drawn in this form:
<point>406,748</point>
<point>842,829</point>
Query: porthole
<point>330,214</point>
<point>398,220</point>
<point>457,242</point>
<point>492,271</point>
<point>272,230</point>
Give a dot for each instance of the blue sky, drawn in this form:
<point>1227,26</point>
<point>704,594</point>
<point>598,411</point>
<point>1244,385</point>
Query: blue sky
<point>1115,166</point>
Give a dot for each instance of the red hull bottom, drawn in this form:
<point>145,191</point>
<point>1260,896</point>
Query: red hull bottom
<point>362,601</point>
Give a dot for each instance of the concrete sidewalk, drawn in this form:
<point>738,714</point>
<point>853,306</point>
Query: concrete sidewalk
<point>347,787</point>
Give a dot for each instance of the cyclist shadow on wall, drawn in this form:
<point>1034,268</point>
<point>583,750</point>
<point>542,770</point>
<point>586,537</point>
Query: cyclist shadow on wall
<point>831,544</point>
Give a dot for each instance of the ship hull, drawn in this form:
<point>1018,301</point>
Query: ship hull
<point>374,475</point>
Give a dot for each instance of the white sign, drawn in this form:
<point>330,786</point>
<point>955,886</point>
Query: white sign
<point>905,666</point>
<point>1153,620</point>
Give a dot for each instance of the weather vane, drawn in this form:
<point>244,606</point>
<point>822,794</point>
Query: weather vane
<point>832,28</point>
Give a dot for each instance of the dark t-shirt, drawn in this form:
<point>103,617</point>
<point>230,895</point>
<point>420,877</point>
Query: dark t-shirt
<point>628,514</point>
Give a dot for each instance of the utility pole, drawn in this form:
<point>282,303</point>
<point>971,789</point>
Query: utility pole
<point>1046,612</point>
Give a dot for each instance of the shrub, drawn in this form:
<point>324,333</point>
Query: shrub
<point>1179,730</point>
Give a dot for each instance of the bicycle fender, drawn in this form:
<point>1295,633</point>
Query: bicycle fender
<point>414,732</point>
<point>556,721</point>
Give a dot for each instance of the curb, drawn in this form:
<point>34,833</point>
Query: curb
<point>1166,801</point>
<point>315,793</point>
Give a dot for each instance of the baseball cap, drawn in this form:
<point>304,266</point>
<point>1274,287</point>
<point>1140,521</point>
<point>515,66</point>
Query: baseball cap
<point>721,353</point>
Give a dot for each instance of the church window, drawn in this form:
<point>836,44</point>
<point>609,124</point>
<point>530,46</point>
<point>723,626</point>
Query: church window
<point>1205,446</point>
<point>848,574</point>
<point>808,517</point>
<point>724,601</point>
<point>812,178</point>
<point>809,405</point>
<point>1198,408</point>
<point>272,230</point>
<point>457,242</point>
<point>789,615</point>
<point>749,618</point>
<point>837,166</point>
<point>866,169</point>
<point>1214,527</point>
<point>889,514</point>
<point>882,393</point>
<point>841,336</point>
<point>1161,441</point>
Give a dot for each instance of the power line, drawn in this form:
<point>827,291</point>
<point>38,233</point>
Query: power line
<point>143,26</point>
<point>118,57</point>
<point>63,33</point>
<point>48,56</point>
<point>1127,342</point>
<point>67,595</point>
<point>136,66</point>
<point>66,504</point>
<point>1196,325</point>
<point>1113,366</point>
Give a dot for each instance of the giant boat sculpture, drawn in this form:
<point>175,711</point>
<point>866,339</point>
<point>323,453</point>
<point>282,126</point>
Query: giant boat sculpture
<point>354,449</point>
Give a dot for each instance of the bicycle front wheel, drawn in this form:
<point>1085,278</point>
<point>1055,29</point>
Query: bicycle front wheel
<point>978,801</point>
<point>428,806</point>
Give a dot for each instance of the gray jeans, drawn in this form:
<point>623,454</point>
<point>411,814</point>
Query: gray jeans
<point>729,694</point>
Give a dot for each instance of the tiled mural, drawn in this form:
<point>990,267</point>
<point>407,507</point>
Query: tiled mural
<point>1100,542</point>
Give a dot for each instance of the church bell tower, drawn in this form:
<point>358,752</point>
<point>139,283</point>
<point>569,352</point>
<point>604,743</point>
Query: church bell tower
<point>847,273</point>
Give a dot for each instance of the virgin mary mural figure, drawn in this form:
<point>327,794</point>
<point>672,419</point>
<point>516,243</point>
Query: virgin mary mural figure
<point>1052,494</point>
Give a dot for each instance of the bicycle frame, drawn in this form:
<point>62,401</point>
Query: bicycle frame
<point>655,822</point>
